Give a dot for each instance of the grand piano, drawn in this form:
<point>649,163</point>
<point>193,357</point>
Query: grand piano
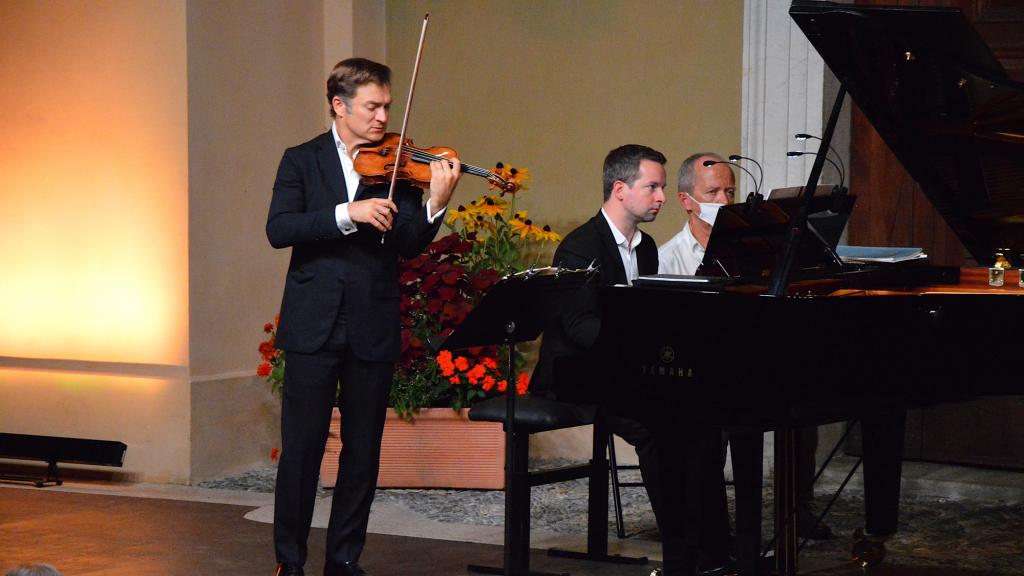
<point>798,344</point>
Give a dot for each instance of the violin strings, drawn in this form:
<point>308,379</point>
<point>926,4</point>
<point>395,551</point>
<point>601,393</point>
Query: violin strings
<point>421,156</point>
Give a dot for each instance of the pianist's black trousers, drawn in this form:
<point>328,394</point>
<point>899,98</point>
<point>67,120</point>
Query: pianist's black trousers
<point>310,386</point>
<point>680,466</point>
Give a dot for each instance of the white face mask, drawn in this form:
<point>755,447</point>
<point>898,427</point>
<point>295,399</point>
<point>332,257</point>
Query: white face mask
<point>708,211</point>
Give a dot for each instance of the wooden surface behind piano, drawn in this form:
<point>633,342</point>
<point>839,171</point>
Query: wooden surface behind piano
<point>891,208</point>
<point>986,432</point>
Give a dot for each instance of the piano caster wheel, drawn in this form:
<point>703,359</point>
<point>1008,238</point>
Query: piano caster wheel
<point>868,551</point>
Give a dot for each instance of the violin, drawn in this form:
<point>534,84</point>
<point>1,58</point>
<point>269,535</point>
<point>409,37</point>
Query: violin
<point>376,163</point>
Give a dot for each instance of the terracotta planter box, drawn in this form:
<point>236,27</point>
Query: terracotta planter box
<point>440,448</point>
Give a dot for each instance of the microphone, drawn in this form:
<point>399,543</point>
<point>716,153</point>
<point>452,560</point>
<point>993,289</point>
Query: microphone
<point>757,189</point>
<point>842,176</point>
<point>760,170</point>
<point>842,165</point>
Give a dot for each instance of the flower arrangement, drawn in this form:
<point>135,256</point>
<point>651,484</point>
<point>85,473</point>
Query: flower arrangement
<point>488,238</point>
<point>272,367</point>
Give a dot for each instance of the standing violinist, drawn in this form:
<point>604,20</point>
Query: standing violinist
<point>339,315</point>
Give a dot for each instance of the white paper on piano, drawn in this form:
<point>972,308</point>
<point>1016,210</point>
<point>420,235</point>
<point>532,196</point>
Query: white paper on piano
<point>884,254</point>
<point>678,280</point>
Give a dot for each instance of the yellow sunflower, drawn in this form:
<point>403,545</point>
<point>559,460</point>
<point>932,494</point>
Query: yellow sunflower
<point>546,234</point>
<point>466,215</point>
<point>489,206</point>
<point>520,176</point>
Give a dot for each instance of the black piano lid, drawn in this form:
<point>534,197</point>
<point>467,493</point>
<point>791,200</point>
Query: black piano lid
<point>942,102</point>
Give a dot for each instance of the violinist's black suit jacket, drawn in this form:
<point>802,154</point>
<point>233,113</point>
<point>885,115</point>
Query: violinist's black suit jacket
<point>339,322</point>
<point>329,269</point>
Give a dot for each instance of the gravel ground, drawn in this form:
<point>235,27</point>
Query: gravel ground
<point>937,532</point>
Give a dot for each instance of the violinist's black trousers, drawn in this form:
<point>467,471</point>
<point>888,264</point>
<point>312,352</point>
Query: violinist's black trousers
<point>310,385</point>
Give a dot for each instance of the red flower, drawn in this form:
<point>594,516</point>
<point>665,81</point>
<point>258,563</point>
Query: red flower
<point>476,373</point>
<point>263,370</point>
<point>274,452</point>
<point>522,383</point>
<point>267,350</point>
<point>485,279</point>
<point>268,327</point>
<point>462,363</point>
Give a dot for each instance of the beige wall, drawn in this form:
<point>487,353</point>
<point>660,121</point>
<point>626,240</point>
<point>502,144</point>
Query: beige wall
<point>555,85</point>
<point>141,142</point>
<point>255,87</point>
<point>93,251</point>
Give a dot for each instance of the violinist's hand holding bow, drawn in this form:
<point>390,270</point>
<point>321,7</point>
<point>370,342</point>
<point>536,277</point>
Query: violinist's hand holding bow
<point>377,212</point>
<point>443,180</point>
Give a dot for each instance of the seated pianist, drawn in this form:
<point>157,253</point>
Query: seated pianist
<point>681,471</point>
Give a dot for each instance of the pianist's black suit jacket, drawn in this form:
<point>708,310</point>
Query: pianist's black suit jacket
<point>576,329</point>
<point>328,268</point>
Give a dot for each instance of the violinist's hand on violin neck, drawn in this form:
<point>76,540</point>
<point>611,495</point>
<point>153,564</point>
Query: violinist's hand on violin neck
<point>377,212</point>
<point>444,177</point>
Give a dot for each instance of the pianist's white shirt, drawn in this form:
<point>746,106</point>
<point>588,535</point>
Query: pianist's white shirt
<point>627,249</point>
<point>680,255</point>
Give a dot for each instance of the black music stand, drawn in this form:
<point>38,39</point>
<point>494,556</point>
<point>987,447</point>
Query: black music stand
<point>747,241</point>
<point>514,310</point>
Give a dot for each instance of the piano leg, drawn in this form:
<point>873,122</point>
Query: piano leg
<point>786,545</point>
<point>748,470</point>
<point>882,437</point>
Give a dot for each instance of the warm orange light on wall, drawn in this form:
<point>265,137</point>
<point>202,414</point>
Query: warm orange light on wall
<point>147,414</point>
<point>93,246</point>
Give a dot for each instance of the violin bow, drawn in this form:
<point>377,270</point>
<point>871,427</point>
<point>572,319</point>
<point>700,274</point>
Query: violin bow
<point>408,106</point>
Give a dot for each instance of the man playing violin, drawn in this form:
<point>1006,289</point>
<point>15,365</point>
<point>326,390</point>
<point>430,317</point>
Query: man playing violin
<point>339,315</point>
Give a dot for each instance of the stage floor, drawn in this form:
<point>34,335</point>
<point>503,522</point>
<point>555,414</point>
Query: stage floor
<point>85,532</point>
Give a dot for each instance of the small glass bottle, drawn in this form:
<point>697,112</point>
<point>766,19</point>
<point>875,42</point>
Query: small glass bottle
<point>997,272</point>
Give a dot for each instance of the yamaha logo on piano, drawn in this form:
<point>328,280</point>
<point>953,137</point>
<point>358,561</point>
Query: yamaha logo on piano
<point>667,355</point>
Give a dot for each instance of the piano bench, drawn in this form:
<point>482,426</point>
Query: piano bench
<point>540,414</point>
<point>535,413</point>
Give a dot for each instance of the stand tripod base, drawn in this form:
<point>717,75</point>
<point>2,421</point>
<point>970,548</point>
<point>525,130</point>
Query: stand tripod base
<point>610,558</point>
<point>478,569</point>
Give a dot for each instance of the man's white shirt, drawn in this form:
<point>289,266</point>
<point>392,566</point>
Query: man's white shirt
<point>627,249</point>
<point>680,255</point>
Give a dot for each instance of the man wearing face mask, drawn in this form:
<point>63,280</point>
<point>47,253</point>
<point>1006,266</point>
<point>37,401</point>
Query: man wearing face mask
<point>702,191</point>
